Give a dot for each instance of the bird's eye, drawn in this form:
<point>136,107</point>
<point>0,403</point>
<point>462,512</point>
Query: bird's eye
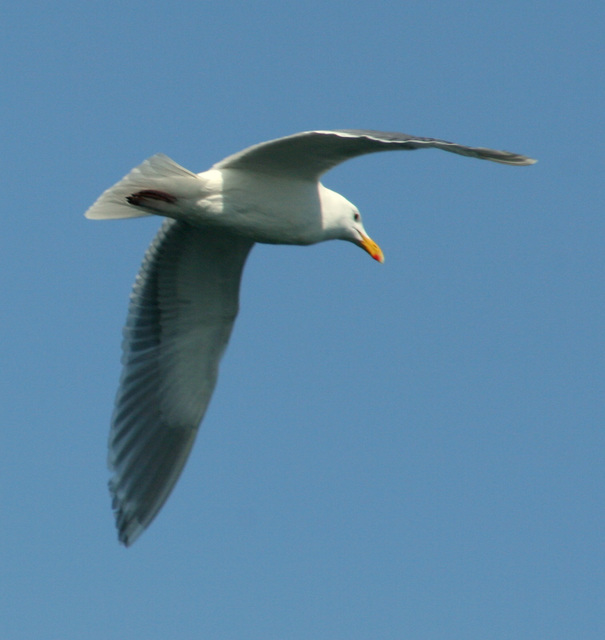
<point>356,217</point>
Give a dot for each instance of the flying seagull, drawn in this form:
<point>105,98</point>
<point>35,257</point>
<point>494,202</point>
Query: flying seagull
<point>185,297</point>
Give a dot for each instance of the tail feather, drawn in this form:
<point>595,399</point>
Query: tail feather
<point>154,187</point>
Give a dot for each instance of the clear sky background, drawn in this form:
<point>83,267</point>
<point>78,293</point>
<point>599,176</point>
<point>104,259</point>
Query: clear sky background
<point>414,450</point>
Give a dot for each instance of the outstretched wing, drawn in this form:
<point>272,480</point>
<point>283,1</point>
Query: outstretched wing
<point>182,309</point>
<point>311,153</point>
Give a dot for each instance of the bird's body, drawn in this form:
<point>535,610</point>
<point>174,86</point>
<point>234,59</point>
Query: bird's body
<point>185,298</point>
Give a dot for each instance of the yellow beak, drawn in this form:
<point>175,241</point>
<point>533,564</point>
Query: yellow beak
<point>367,244</point>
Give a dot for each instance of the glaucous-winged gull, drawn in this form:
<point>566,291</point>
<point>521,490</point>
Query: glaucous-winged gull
<point>185,298</point>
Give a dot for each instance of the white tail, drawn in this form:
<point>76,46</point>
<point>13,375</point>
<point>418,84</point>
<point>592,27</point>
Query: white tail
<point>154,187</point>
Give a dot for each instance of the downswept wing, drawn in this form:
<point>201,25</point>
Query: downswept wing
<point>182,309</point>
<point>309,154</point>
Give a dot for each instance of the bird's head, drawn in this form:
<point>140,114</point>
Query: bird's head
<point>342,220</point>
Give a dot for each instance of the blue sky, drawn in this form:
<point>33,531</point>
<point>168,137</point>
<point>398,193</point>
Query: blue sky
<point>413,450</point>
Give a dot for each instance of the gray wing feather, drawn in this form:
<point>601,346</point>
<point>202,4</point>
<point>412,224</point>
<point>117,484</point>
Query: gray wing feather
<point>182,309</point>
<point>311,153</point>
